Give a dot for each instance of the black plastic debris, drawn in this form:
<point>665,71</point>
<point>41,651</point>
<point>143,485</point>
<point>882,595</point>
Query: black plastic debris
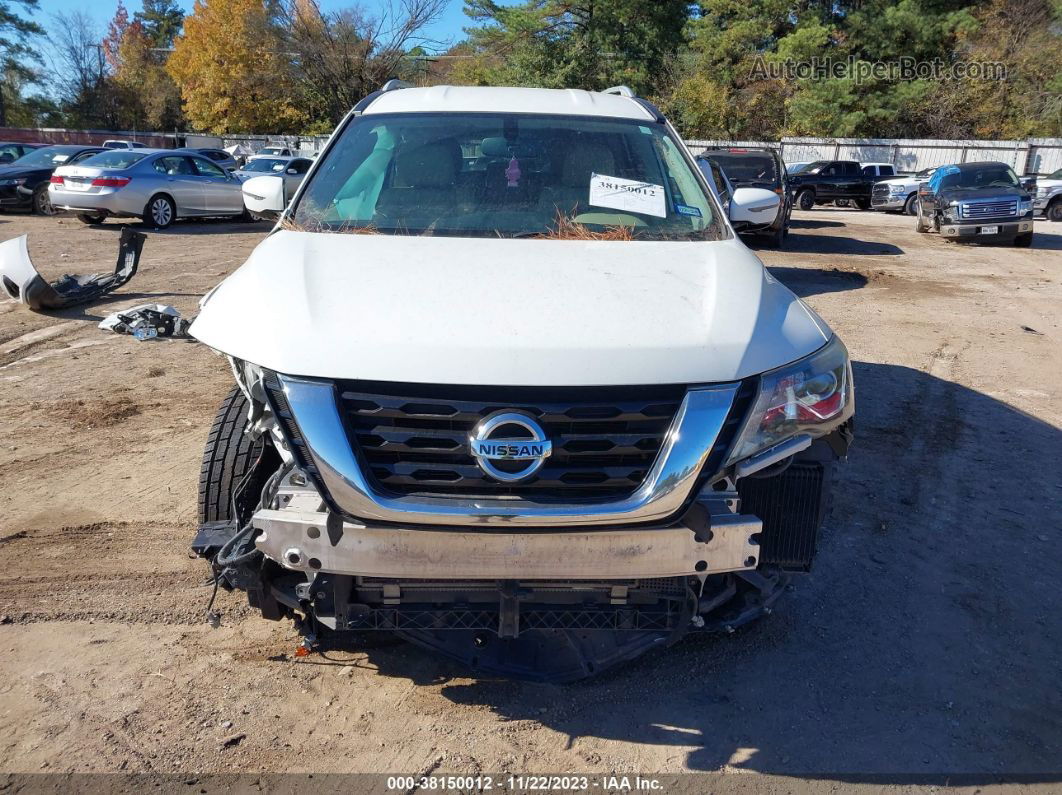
<point>21,281</point>
<point>147,321</point>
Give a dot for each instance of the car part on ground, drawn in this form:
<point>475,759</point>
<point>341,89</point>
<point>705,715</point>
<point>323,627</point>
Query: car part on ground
<point>21,281</point>
<point>541,494</point>
<point>147,321</point>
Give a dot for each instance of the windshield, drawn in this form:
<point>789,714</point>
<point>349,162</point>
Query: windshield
<point>814,168</point>
<point>926,172</point>
<point>267,164</point>
<point>271,150</point>
<point>742,168</point>
<point>508,175</point>
<point>48,157</point>
<point>115,158</point>
<point>991,175</point>
<point>1055,174</point>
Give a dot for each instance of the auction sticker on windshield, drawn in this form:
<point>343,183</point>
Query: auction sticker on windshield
<point>627,194</point>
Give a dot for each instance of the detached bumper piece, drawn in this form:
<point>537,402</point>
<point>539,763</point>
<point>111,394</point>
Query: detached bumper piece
<point>20,280</point>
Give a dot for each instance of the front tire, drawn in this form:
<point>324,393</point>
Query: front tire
<point>920,221</point>
<point>42,203</point>
<point>910,207</point>
<point>159,212</point>
<point>228,458</point>
<point>806,199</point>
<point>776,239</point>
<point>91,218</point>
<point>863,204</point>
<point>1054,212</point>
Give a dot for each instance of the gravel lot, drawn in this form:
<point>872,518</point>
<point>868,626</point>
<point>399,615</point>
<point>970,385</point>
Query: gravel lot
<point>926,641</point>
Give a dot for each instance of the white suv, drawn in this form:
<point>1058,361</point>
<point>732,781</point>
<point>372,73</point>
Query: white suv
<point>510,386</point>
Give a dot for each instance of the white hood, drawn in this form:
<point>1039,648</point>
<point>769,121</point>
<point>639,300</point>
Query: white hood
<point>506,312</point>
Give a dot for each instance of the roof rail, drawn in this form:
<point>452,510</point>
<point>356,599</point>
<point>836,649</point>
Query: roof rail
<point>622,91</point>
<point>394,85</point>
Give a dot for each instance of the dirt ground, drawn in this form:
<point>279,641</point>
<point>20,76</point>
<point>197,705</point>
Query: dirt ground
<point>926,641</point>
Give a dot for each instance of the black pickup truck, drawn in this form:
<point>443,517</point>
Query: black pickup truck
<point>839,181</point>
<point>977,202</point>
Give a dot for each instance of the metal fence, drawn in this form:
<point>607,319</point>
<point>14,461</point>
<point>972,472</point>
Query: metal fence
<point>1032,156</point>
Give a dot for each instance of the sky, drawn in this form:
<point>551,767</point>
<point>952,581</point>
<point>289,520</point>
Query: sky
<point>448,29</point>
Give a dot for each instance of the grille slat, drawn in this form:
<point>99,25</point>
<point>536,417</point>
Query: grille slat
<point>414,438</point>
<point>989,209</point>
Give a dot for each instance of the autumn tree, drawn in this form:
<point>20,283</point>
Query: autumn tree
<point>232,71</point>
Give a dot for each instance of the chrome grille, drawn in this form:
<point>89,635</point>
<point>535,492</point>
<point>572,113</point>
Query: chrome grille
<point>414,438</point>
<point>989,209</point>
<point>880,191</point>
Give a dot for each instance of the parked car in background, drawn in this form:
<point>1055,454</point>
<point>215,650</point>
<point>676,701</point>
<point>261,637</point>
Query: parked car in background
<point>899,194</point>
<point>292,169</point>
<point>756,168</point>
<point>24,183</point>
<point>219,156</point>
<point>976,202</point>
<point>1048,199</point>
<point>835,181</point>
<point>115,144</point>
<point>879,170</point>
<point>275,150</point>
<point>156,185</point>
<point>10,151</point>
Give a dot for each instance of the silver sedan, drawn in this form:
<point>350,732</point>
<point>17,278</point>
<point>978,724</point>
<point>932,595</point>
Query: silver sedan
<point>156,185</point>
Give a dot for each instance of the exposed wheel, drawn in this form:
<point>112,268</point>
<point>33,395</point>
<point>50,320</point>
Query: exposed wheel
<point>806,199</point>
<point>863,204</point>
<point>1023,241</point>
<point>1054,212</point>
<point>920,221</point>
<point>910,207</point>
<point>42,202</point>
<point>91,218</point>
<point>160,211</point>
<point>840,203</point>
<point>229,456</point>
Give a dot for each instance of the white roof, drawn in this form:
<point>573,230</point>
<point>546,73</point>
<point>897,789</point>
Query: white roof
<point>479,99</point>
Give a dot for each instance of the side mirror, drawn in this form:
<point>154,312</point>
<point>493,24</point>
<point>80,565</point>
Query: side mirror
<point>753,206</point>
<point>1029,183</point>
<point>264,197</point>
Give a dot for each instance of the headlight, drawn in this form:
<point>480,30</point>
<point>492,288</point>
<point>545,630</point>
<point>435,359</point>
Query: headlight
<point>813,396</point>
<point>1024,205</point>
<point>247,375</point>
<point>7,182</point>
<point>1043,191</point>
<point>898,189</point>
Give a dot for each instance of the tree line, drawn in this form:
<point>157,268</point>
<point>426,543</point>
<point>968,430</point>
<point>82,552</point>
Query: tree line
<point>718,68</point>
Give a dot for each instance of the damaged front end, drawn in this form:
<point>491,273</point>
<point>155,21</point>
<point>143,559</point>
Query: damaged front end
<point>529,587</point>
<point>21,281</point>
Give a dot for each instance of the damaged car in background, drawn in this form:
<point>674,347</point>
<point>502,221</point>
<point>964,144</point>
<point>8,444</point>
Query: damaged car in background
<point>510,387</point>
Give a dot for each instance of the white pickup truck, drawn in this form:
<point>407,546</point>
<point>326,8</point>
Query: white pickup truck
<point>509,386</point>
<point>899,194</point>
<point>1048,198</point>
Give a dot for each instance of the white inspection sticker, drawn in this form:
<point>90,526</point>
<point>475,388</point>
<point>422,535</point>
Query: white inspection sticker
<point>627,194</point>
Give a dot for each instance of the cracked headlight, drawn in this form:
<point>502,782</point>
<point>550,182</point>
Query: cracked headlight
<point>248,376</point>
<point>812,396</point>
